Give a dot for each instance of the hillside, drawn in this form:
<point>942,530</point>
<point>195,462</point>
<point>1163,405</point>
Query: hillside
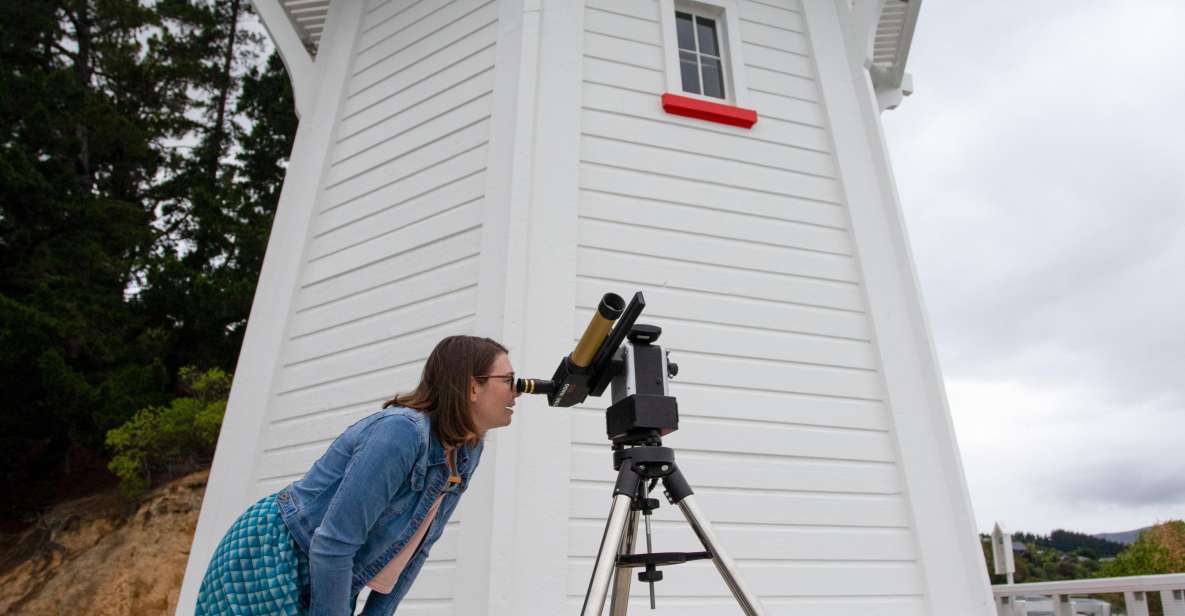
<point>103,557</point>
<point>1071,542</point>
<point>1127,537</point>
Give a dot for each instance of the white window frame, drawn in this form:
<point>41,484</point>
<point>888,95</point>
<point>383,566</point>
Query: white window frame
<point>728,31</point>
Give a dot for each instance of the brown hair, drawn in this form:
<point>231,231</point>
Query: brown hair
<point>443,391</point>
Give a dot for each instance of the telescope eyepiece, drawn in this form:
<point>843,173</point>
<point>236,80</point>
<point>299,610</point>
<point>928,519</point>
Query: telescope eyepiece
<point>534,386</point>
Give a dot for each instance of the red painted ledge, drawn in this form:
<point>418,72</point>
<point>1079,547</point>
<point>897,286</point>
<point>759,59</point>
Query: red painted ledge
<point>712,112</point>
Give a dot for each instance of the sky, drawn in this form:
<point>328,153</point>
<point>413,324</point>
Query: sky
<point>1040,164</point>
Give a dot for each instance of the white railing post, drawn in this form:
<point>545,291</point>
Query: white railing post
<point>1136,589</point>
<point>1173,602</point>
<point>1062,605</point>
<point>1006,606</point>
<point>1136,603</point>
<point>1002,558</point>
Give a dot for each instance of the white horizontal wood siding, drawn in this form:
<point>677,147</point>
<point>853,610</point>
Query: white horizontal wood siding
<point>740,240</point>
<point>392,258</point>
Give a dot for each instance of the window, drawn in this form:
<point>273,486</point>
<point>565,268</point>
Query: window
<point>704,69</point>
<point>700,63</point>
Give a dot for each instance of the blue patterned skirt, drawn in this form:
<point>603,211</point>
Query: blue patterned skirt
<point>257,569</point>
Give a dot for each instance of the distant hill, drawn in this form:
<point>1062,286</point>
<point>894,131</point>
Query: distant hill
<point>1126,537</point>
<point>1070,542</point>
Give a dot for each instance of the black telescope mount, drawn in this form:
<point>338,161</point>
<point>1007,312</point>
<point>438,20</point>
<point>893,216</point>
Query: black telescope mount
<point>617,352</point>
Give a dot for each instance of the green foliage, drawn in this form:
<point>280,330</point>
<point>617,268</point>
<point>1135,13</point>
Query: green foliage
<point>1040,563</point>
<point>1070,541</point>
<point>170,439</point>
<point>142,149</point>
<point>80,128</point>
<point>1160,549</point>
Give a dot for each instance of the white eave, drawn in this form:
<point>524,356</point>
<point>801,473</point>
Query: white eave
<point>894,33</point>
<point>886,53</point>
<point>308,19</point>
<point>295,26</point>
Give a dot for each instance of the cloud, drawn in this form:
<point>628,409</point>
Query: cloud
<point>1133,482</point>
<point>1040,166</point>
<point>1039,458</point>
<point>1046,208</point>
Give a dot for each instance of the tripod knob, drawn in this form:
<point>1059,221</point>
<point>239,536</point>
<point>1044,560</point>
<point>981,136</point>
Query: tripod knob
<point>646,505</point>
<point>650,575</point>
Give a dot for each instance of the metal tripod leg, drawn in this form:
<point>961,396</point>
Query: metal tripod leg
<point>724,564</point>
<point>598,586</point>
<point>619,602</point>
<point>622,527</point>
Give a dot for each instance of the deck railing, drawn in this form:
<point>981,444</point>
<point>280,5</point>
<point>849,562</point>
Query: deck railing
<point>1010,597</point>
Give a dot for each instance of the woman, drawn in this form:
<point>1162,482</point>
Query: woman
<point>368,511</point>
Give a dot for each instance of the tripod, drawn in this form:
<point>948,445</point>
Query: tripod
<point>643,411</point>
<point>615,557</point>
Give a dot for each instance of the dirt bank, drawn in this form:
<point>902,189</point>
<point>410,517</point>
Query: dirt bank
<point>103,556</point>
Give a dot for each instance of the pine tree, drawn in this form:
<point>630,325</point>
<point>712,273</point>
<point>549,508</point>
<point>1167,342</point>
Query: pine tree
<point>82,116</point>
<point>195,284</point>
<point>141,155</point>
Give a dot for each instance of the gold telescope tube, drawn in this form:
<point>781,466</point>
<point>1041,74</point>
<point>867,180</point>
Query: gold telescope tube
<point>610,307</point>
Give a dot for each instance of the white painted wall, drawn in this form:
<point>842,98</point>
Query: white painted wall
<point>493,168</point>
<point>740,240</point>
<point>392,261</point>
<point>385,261</point>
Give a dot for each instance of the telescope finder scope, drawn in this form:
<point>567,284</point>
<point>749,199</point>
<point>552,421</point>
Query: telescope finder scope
<point>608,310</point>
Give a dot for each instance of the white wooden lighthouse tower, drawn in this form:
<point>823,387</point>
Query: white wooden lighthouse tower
<point>494,167</point>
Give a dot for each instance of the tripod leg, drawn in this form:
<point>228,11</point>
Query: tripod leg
<point>619,602</point>
<point>723,562</point>
<point>598,586</point>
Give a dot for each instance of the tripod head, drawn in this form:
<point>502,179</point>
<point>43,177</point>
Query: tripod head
<point>625,357</point>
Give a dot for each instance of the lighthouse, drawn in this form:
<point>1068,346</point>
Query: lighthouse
<point>495,167</point>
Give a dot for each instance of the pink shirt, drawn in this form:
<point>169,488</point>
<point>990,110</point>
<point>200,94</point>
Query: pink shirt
<point>384,582</point>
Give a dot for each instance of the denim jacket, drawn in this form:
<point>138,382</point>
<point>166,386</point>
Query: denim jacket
<point>362,501</point>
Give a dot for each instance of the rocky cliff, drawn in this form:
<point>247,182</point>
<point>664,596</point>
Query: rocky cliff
<point>104,557</point>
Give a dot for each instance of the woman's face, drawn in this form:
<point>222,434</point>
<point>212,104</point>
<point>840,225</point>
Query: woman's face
<point>491,399</point>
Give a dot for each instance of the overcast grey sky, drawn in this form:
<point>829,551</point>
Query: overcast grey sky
<point>1041,167</point>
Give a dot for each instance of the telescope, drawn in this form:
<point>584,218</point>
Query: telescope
<point>616,350</point>
<point>638,371</point>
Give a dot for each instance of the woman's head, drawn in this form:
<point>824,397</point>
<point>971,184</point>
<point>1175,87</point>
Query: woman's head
<point>466,388</point>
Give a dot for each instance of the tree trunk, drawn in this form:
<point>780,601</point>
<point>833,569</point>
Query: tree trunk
<point>83,70</point>
<point>225,87</point>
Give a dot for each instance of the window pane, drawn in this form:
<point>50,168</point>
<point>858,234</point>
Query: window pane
<point>713,77</point>
<point>707,36</point>
<point>690,71</point>
<point>683,27</point>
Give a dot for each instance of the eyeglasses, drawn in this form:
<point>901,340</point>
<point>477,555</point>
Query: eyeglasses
<point>508,378</point>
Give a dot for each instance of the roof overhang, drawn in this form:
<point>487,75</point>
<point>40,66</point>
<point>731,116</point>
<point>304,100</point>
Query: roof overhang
<point>308,19</point>
<point>893,36</point>
<point>295,26</point>
<point>886,25</point>
<point>889,50</point>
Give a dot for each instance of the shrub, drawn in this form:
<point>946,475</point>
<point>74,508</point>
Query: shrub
<point>1160,549</point>
<point>166,440</point>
